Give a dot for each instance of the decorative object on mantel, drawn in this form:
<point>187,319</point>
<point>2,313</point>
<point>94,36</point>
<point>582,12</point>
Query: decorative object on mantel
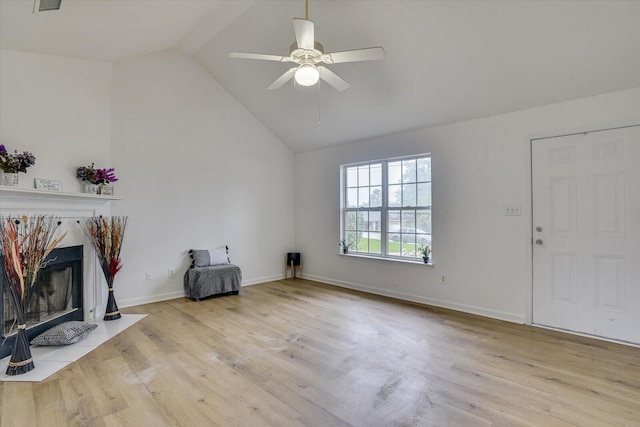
<point>24,244</point>
<point>106,190</point>
<point>47,184</point>
<point>425,251</point>
<point>96,179</point>
<point>106,235</point>
<point>11,164</point>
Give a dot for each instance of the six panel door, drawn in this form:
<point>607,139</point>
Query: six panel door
<point>586,233</point>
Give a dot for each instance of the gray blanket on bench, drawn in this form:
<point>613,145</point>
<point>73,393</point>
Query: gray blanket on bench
<point>201,282</point>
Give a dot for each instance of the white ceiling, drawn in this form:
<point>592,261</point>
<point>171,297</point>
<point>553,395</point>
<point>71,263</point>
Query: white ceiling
<point>446,61</point>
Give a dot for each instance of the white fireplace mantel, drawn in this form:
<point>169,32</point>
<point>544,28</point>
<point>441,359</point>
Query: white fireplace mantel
<point>18,193</point>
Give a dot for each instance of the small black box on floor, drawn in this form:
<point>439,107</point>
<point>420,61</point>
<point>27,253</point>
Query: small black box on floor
<point>293,257</point>
<point>293,261</point>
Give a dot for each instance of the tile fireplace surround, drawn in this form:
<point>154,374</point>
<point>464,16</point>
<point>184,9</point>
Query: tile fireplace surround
<point>49,360</point>
<point>70,208</point>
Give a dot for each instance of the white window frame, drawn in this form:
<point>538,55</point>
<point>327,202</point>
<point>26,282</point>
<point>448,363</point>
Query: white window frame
<point>384,209</point>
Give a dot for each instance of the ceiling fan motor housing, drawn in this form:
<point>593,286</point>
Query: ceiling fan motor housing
<point>298,54</point>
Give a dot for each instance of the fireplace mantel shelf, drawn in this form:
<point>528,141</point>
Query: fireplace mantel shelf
<point>7,192</point>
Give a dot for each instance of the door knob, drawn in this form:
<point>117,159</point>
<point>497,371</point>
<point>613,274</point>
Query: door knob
<point>539,242</point>
<point>538,229</point>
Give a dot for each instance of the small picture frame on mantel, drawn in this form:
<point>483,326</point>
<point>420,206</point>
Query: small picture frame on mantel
<point>48,184</point>
<point>106,190</point>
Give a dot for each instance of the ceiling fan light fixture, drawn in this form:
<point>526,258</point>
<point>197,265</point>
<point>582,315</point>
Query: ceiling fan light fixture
<point>307,75</point>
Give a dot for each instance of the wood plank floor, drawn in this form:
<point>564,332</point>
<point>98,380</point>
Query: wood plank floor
<point>300,353</point>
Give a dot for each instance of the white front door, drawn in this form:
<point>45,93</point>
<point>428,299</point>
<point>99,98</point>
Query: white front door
<point>586,233</point>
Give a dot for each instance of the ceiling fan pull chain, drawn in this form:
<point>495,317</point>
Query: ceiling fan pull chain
<point>319,117</point>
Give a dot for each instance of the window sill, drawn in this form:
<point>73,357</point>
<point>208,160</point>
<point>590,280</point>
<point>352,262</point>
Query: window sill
<point>418,264</point>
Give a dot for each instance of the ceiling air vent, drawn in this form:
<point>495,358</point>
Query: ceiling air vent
<point>49,5</point>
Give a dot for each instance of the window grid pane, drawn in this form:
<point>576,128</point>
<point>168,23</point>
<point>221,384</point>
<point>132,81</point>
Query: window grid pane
<point>408,171</point>
<point>395,196</point>
<point>394,171</point>
<point>375,197</point>
<point>363,176</point>
<point>424,194</point>
<point>409,194</point>
<point>424,169</point>
<point>350,221</point>
<point>376,174</point>
<point>352,177</point>
<point>363,197</point>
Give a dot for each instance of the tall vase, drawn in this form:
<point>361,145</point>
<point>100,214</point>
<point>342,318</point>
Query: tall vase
<point>112,312</point>
<point>21,361</point>
<point>11,179</point>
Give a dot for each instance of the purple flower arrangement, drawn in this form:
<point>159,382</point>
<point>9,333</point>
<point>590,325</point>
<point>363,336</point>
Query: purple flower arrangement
<point>105,176</point>
<point>16,162</point>
<point>96,176</point>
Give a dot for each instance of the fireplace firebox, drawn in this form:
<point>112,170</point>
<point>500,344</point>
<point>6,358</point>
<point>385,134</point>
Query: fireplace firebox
<point>57,297</point>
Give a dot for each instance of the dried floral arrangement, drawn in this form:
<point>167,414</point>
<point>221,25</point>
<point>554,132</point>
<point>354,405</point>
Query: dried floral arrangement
<point>106,235</point>
<point>96,176</point>
<point>15,162</point>
<point>25,243</point>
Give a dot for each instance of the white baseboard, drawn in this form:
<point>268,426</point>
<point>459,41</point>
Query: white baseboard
<point>494,314</point>
<point>265,279</point>
<point>180,294</point>
<point>149,299</point>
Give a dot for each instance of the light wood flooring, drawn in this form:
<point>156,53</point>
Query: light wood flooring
<point>300,353</point>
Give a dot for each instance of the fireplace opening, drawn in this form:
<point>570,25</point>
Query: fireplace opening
<point>57,297</point>
<point>51,298</point>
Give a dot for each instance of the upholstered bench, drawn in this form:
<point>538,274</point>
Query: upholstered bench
<point>215,280</point>
<point>211,274</point>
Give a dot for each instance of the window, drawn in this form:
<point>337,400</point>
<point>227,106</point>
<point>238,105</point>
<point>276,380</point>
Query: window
<point>386,207</point>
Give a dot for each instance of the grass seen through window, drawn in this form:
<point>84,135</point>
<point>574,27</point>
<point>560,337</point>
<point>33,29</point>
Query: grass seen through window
<point>395,248</point>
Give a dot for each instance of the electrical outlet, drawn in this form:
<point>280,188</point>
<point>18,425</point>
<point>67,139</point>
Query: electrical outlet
<point>511,209</point>
<point>172,272</point>
<point>443,280</point>
<point>149,275</point>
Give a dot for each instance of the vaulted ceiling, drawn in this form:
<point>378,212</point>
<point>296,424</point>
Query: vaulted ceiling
<point>446,61</point>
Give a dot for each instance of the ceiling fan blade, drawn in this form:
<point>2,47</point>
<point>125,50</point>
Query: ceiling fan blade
<point>367,54</point>
<point>304,33</point>
<point>241,55</point>
<point>288,75</point>
<point>332,78</point>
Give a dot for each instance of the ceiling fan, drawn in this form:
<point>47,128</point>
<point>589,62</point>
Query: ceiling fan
<point>307,53</point>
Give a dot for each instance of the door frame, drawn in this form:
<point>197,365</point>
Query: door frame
<point>528,205</point>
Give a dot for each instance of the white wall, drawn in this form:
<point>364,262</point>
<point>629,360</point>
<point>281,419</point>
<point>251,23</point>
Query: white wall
<point>197,171</point>
<point>477,166</point>
<point>57,108</point>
